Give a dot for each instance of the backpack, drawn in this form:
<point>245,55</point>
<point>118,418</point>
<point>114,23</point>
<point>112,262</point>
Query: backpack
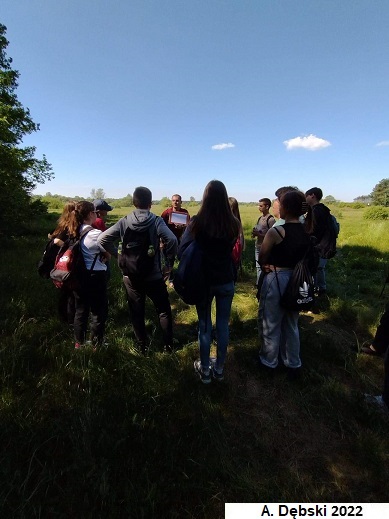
<point>327,245</point>
<point>237,252</point>
<point>137,255</point>
<point>47,261</point>
<point>190,279</point>
<point>299,292</point>
<point>69,263</point>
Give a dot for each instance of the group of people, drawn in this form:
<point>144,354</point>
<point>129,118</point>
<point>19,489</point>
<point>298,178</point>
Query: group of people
<point>282,239</point>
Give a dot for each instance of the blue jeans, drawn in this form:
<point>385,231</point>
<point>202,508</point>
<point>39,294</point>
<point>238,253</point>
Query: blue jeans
<point>320,278</point>
<point>223,295</point>
<point>277,326</point>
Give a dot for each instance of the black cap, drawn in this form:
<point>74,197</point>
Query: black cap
<point>101,205</point>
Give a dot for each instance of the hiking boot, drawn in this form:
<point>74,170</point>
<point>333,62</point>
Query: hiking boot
<point>204,377</point>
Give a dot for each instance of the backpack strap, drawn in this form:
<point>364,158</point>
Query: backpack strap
<point>267,221</point>
<point>83,233</point>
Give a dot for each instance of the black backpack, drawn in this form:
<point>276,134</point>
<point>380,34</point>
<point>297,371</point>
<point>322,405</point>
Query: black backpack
<point>47,261</point>
<point>327,245</point>
<point>137,255</point>
<point>299,292</point>
<point>190,279</point>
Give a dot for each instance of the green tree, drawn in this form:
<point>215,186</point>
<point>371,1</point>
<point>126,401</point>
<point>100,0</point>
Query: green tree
<point>165,202</point>
<point>126,201</point>
<point>329,199</point>
<point>20,171</point>
<point>364,199</point>
<point>97,194</point>
<point>380,193</point>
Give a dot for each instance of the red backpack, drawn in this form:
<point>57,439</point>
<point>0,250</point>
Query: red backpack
<point>237,252</point>
<point>69,264</point>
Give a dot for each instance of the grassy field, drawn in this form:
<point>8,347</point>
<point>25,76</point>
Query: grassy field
<point>114,434</point>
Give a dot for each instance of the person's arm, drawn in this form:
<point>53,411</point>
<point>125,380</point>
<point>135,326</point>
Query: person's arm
<point>271,238</point>
<point>107,239</point>
<point>186,240</point>
<point>168,238</point>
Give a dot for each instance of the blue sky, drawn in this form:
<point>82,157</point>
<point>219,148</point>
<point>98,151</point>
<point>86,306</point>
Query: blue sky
<point>173,93</point>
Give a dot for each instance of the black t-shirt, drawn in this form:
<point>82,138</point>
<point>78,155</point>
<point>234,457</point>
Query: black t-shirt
<point>292,248</point>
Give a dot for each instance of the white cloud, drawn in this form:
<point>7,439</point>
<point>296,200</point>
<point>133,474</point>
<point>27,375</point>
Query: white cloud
<point>383,143</point>
<point>223,146</point>
<point>309,142</point>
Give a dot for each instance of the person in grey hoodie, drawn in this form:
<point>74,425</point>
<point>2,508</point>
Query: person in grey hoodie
<point>152,283</point>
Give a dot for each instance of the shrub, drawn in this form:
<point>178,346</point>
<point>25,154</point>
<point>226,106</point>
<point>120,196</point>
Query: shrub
<point>352,205</point>
<point>376,212</point>
<point>38,207</point>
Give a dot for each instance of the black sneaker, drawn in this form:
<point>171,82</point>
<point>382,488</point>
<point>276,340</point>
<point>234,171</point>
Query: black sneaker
<point>204,377</point>
<point>216,375</point>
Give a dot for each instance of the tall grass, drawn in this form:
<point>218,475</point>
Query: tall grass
<point>114,434</point>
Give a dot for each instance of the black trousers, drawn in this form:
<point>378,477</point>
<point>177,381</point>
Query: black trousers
<point>91,297</point>
<point>66,307</point>
<point>136,297</point>
<point>380,343</point>
<point>381,338</point>
<point>385,393</point>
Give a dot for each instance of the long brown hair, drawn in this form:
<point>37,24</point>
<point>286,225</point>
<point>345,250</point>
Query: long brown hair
<point>83,209</point>
<point>215,217</point>
<point>234,207</point>
<point>295,205</point>
<point>66,222</point>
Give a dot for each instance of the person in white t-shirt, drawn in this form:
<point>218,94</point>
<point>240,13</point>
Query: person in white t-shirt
<point>91,293</point>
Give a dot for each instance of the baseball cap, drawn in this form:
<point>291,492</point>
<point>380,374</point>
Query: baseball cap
<point>101,205</point>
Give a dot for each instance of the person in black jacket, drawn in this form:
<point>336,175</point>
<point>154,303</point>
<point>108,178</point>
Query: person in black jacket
<point>321,221</point>
<point>216,230</point>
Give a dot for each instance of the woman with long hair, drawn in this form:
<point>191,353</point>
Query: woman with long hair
<point>65,232</point>
<point>282,248</point>
<point>91,292</point>
<point>216,230</point>
<point>240,245</point>
<point>66,225</point>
